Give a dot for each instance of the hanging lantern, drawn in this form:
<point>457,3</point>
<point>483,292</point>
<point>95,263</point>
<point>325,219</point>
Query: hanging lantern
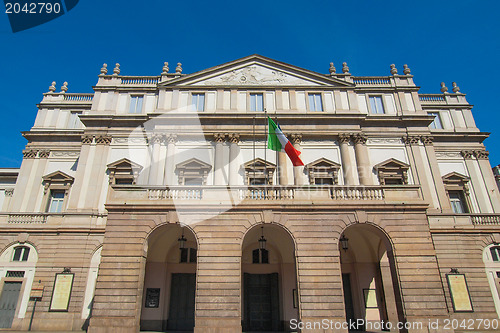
<point>262,241</point>
<point>182,241</point>
<point>343,242</point>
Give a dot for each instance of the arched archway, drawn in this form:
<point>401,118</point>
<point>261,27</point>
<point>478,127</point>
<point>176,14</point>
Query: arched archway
<point>491,259</point>
<point>170,280</point>
<point>17,267</point>
<point>369,277</point>
<point>269,279</point>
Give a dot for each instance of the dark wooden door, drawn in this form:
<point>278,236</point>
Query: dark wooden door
<point>8,303</point>
<point>261,302</point>
<point>349,307</point>
<point>181,314</point>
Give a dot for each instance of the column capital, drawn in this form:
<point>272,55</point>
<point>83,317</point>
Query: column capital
<point>44,153</point>
<point>171,138</point>
<point>234,138</point>
<point>296,138</point>
<point>30,153</point>
<point>87,139</point>
<point>481,154</point>
<point>344,138</point>
<point>427,140</point>
<point>157,138</point>
<point>9,192</point>
<point>219,137</point>
<point>103,139</point>
<point>411,140</point>
<point>467,154</point>
<point>359,138</point>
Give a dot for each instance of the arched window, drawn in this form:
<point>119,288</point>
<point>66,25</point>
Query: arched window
<point>21,253</point>
<point>491,259</point>
<point>260,256</point>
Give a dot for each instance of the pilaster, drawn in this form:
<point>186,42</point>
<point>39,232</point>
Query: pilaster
<point>219,139</point>
<point>362,160</point>
<point>298,171</point>
<point>347,168</point>
<point>169,176</point>
<point>234,151</point>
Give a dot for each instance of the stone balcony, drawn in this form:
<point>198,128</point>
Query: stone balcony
<point>264,195</point>
<point>464,221</point>
<point>67,220</point>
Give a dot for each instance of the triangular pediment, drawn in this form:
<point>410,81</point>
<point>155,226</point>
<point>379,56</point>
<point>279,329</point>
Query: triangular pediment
<point>455,177</point>
<point>259,163</point>
<point>392,163</point>
<point>193,164</point>
<point>124,163</point>
<point>58,176</point>
<point>256,71</point>
<point>323,163</point>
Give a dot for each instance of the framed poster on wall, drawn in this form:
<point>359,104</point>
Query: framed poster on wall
<point>459,292</point>
<point>61,293</point>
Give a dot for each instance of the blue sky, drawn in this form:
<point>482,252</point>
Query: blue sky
<point>439,40</point>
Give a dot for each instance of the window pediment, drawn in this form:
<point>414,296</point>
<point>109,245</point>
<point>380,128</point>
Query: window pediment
<point>57,180</point>
<point>259,171</point>
<point>323,169</point>
<point>193,171</point>
<point>123,171</point>
<point>392,172</point>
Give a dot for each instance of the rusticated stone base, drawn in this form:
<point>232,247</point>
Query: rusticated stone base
<point>218,325</point>
<point>113,325</point>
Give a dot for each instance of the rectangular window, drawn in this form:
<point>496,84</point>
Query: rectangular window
<point>198,102</point>
<point>315,103</point>
<point>56,201</point>
<point>376,105</point>
<point>457,202</point>
<point>256,102</point>
<point>436,124</point>
<point>136,104</point>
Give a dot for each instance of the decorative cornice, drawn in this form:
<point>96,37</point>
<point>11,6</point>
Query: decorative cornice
<point>30,153</point>
<point>219,137</point>
<point>448,154</point>
<point>296,138</point>
<point>65,153</point>
<point>427,140</point>
<point>234,138</point>
<point>385,140</point>
<point>103,139</point>
<point>411,140</point>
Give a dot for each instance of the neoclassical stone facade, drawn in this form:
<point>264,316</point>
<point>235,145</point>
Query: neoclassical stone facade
<point>153,204</point>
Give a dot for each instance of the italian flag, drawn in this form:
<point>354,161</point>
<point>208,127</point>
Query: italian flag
<point>277,141</point>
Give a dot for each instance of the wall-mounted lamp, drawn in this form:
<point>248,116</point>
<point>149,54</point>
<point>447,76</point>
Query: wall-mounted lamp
<point>344,242</point>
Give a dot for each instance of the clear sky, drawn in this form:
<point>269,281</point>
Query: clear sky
<point>439,40</point>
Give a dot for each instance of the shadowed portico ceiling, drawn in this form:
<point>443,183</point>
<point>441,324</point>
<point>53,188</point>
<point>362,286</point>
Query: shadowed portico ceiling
<point>256,70</point>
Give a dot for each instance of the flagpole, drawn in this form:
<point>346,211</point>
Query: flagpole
<point>265,146</point>
<point>253,167</point>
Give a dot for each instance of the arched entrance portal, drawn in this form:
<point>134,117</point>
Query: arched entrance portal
<point>170,280</point>
<point>371,288</point>
<point>269,279</point>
